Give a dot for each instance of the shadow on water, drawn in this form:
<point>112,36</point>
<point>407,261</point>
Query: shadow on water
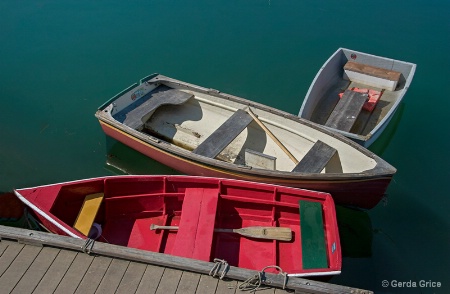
<point>121,159</point>
<point>355,232</point>
<point>382,142</point>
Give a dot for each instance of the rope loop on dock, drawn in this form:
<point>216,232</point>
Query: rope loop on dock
<point>88,245</point>
<point>217,265</point>
<point>253,284</point>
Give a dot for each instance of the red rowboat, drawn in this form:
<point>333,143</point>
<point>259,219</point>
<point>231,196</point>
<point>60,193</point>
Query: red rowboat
<point>249,225</point>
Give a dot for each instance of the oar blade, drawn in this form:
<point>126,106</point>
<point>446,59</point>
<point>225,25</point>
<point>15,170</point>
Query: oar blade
<point>271,233</point>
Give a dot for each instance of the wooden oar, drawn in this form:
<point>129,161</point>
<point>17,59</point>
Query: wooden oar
<point>272,233</point>
<point>268,132</point>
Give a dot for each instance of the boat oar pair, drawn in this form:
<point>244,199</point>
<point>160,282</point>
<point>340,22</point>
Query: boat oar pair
<point>271,233</point>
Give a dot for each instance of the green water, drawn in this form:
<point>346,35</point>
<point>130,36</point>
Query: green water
<point>60,60</point>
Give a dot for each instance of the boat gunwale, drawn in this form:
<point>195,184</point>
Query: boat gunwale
<point>381,169</point>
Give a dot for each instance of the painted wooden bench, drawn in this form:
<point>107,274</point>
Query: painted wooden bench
<point>346,111</point>
<point>371,75</point>
<point>136,118</point>
<point>316,159</point>
<point>314,251</point>
<point>196,229</point>
<point>88,212</point>
<point>222,137</point>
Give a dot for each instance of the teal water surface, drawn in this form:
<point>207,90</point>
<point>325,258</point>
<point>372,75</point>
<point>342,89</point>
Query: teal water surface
<point>60,60</point>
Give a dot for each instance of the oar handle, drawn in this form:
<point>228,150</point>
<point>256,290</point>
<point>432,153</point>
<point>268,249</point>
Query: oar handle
<point>156,227</point>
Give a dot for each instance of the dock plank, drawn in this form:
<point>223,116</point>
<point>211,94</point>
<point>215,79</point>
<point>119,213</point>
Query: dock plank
<point>188,283</point>
<point>207,284</point>
<point>3,246</point>
<point>169,281</point>
<point>9,254</point>
<point>56,272</point>
<point>74,275</point>
<point>36,271</point>
<point>227,286</point>
<point>94,275</point>
<point>113,276</point>
<point>131,278</point>
<point>150,280</point>
<point>17,269</point>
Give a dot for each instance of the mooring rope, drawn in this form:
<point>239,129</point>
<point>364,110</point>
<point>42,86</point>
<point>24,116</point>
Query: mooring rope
<point>217,265</point>
<point>253,284</point>
<point>88,245</point>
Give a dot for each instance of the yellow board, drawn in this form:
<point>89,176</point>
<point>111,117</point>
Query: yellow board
<point>88,211</point>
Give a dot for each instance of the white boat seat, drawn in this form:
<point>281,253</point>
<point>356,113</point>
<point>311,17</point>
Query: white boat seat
<point>346,111</point>
<point>316,159</point>
<point>136,118</point>
<point>222,137</point>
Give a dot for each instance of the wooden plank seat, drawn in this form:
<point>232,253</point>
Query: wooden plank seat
<point>223,136</point>
<point>136,118</point>
<point>88,212</point>
<point>371,75</point>
<point>196,229</point>
<point>346,111</point>
<point>316,159</point>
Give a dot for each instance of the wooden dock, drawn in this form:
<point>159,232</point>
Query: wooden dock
<point>37,262</point>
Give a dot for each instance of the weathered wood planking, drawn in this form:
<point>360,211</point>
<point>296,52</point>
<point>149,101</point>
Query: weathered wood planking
<point>316,159</point>
<point>346,111</point>
<point>56,272</point>
<point>74,274</point>
<point>153,276</point>
<point>35,272</point>
<point>113,276</point>
<point>135,119</point>
<point>131,279</point>
<point>17,269</point>
<point>224,135</point>
<point>150,280</point>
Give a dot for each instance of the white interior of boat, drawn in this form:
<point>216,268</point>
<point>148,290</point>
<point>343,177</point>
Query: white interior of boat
<point>189,124</point>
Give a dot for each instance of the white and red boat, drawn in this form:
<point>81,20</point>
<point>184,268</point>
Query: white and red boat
<point>249,225</point>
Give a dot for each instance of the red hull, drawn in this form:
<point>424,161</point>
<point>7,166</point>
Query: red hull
<point>364,191</point>
<point>197,205</point>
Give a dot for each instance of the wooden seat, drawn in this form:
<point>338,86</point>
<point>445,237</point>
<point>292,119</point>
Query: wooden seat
<point>346,111</point>
<point>88,212</point>
<point>316,159</point>
<point>136,118</point>
<point>371,75</point>
<point>223,136</point>
<point>314,251</point>
<point>196,229</point>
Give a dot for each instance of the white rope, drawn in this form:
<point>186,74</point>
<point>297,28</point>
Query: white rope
<point>254,283</point>
<point>88,245</point>
<point>217,265</point>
